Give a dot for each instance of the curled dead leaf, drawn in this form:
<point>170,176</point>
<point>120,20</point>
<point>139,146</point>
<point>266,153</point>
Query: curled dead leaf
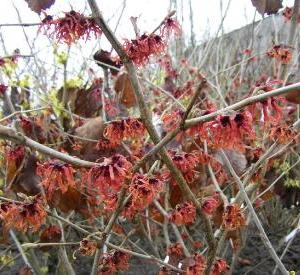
<point>267,6</point>
<point>39,5</point>
<point>104,57</point>
<point>125,90</point>
<point>293,97</point>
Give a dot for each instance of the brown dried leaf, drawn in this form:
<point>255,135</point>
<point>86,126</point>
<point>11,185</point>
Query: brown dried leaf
<point>267,6</point>
<point>125,90</point>
<point>91,129</point>
<point>105,57</point>
<point>27,181</point>
<point>70,200</point>
<point>39,5</point>
<point>293,97</point>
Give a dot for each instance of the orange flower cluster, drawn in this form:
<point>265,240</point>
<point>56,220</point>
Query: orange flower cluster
<point>187,162</point>
<point>109,175</point>
<point>23,216</point>
<point>71,27</point>
<point>15,156</point>
<point>282,133</point>
<point>233,218</point>
<point>220,266</point>
<point>271,110</point>
<point>170,26</point>
<point>196,265</point>
<point>56,177</point>
<point>210,204</point>
<point>143,190</point>
<point>228,132</point>
<point>183,214</point>
<point>175,249</point>
<point>87,247</point>
<point>172,120</point>
<point>140,49</point>
<point>281,53</point>
<point>116,131</point>
<point>113,262</point>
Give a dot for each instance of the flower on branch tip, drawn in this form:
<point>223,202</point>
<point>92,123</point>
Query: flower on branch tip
<point>175,249</point>
<point>210,204</point>
<point>143,190</point>
<point>219,267</point>
<point>128,128</point>
<point>56,177</point>
<point>281,53</point>
<point>283,133</point>
<point>272,110</point>
<point>87,247</point>
<point>233,217</point>
<point>196,265</point>
<point>172,120</point>
<point>170,26</point>
<point>140,49</point>
<point>25,216</point>
<point>183,214</point>
<point>15,155</point>
<point>113,261</point>
<point>109,174</point>
<point>228,132</point>
<point>185,161</point>
<point>70,28</point>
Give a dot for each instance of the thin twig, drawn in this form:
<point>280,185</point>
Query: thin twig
<point>263,234</point>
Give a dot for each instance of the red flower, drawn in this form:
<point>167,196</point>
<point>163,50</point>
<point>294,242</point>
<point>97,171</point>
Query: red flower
<point>109,175</point>
<point>51,234</point>
<point>228,132</point>
<point>110,202</point>
<point>70,28</point>
<point>196,265</point>
<point>139,50</point>
<point>87,247</point>
<point>113,261</point>
<point>220,266</point>
<point>183,214</point>
<point>210,204</point>
<point>272,109</point>
<point>143,190</point>
<point>233,218</point>
<point>281,53</point>
<point>3,88</point>
<point>172,120</point>
<point>56,176</point>
<point>127,128</point>
<point>282,133</point>
<point>185,161</point>
<point>15,155</point>
<point>175,249</point>
<point>23,216</point>
<point>170,26</point>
